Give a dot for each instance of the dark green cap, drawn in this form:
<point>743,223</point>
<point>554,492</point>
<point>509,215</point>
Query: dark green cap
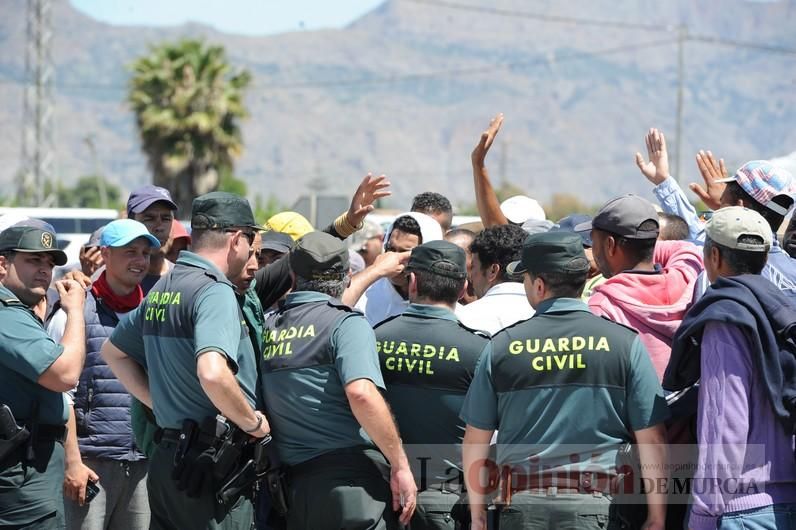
<point>439,257</point>
<point>218,210</point>
<point>551,252</point>
<point>319,256</point>
<point>32,239</point>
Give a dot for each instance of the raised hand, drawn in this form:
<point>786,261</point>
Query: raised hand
<point>711,172</point>
<point>485,142</point>
<point>657,168</point>
<point>369,191</point>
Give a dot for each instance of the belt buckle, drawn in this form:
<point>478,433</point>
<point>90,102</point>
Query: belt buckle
<point>586,482</point>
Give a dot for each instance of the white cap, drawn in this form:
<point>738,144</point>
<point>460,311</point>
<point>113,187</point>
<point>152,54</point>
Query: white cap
<point>520,208</point>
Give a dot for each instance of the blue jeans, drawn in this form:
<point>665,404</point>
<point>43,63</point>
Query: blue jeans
<point>776,517</point>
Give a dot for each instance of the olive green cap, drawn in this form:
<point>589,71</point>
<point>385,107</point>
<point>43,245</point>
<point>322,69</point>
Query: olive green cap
<point>32,239</point>
<point>551,252</point>
<point>439,257</point>
<point>218,210</point>
<point>319,256</point>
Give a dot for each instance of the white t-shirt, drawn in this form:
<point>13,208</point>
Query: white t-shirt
<point>503,304</point>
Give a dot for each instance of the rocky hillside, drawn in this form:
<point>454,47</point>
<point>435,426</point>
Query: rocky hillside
<point>407,88</point>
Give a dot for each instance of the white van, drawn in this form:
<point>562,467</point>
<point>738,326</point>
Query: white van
<point>73,226</point>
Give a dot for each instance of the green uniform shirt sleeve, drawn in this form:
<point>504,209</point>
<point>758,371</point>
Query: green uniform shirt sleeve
<point>217,323</point>
<point>354,345</point>
<point>26,347</point>
<point>128,335</point>
<point>646,403</point>
<point>480,408</point>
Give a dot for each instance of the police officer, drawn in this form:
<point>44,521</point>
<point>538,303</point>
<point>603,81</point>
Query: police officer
<point>186,349</point>
<point>34,373</point>
<point>428,360</point>
<point>321,382</point>
<point>567,389</point>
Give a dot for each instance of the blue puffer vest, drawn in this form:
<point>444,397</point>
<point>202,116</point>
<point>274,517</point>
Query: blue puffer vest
<point>102,405</point>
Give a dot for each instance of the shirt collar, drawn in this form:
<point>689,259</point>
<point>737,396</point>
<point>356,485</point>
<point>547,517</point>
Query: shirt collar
<point>561,305</point>
<point>304,297</point>
<point>506,288</point>
<point>430,311</point>
<point>192,259</point>
<point>657,269</point>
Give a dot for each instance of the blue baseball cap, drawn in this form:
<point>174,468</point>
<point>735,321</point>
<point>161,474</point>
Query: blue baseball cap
<point>123,231</point>
<point>146,196</point>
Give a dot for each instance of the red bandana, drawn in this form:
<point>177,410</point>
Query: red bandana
<point>118,304</point>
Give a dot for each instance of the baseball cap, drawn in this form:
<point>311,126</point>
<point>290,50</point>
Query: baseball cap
<point>624,217</point>
<point>551,252</point>
<point>729,225</point>
<point>568,224</point>
<point>318,256</point>
<point>277,241</point>
<point>32,239</point>
<point>763,181</point>
<point>122,232</point>
<point>146,196</point>
<point>368,231</point>
<point>429,256</point>
<point>520,208</point>
<point>292,223</point>
<point>219,209</point>
<point>537,226</point>
<point>94,240</point>
<point>178,231</point>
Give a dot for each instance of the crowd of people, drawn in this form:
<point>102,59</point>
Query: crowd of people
<point>631,369</point>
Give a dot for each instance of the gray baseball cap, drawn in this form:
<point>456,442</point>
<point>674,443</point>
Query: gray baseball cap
<point>624,216</point>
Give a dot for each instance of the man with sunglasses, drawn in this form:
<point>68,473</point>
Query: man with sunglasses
<point>186,349</point>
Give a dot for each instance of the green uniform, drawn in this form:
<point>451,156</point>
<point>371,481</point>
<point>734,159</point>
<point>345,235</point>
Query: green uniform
<point>190,311</point>
<point>314,346</point>
<point>566,388</point>
<point>30,491</point>
<point>428,360</point>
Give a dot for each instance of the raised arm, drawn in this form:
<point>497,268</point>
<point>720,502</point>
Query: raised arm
<point>485,197</point>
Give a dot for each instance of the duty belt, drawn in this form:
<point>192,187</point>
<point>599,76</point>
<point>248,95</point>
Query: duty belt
<point>551,484</point>
<point>173,436</point>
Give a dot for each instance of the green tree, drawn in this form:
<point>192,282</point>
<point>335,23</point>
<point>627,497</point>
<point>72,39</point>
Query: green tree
<point>86,193</point>
<point>188,104</point>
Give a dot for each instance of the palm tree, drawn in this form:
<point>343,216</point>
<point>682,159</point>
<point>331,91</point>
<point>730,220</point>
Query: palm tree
<point>188,106</point>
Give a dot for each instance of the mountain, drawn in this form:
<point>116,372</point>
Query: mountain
<point>406,90</point>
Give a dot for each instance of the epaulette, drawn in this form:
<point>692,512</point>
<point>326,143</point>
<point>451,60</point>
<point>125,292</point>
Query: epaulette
<point>479,332</point>
<point>11,302</point>
<point>635,331</point>
<point>388,319</point>
<point>340,305</point>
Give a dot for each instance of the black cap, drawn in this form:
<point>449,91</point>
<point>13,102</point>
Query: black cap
<point>219,209</point>
<point>319,256</point>
<point>277,241</point>
<point>429,256</point>
<point>624,216</point>
<point>551,252</point>
<point>32,239</point>
<point>568,224</point>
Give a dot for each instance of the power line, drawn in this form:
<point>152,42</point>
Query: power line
<point>398,78</point>
<point>742,44</point>
<point>560,19</point>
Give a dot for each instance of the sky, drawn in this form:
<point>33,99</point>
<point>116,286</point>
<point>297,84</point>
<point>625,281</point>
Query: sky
<point>248,17</point>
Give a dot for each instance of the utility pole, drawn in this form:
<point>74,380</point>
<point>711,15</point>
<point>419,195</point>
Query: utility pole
<point>38,143</point>
<point>682,36</point>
